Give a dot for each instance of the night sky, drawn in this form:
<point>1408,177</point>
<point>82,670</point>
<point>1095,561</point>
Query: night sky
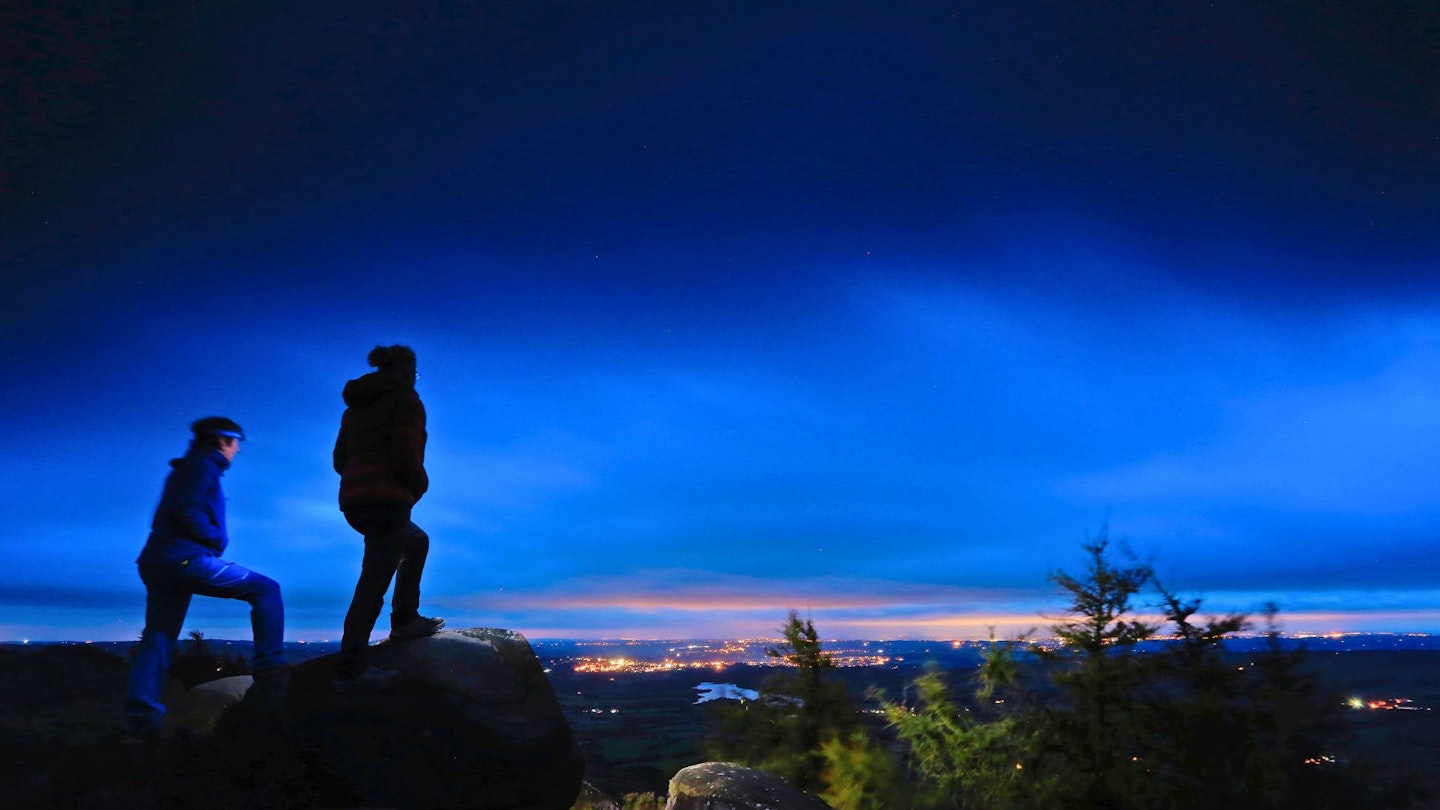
<point>875,310</point>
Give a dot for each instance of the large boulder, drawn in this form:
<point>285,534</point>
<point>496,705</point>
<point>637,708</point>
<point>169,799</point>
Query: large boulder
<point>727,786</point>
<point>474,724</point>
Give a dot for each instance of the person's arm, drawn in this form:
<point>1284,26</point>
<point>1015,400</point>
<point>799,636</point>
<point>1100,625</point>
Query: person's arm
<point>190,508</point>
<point>340,456</point>
<point>407,445</point>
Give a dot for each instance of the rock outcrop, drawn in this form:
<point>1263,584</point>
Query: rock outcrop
<point>474,724</point>
<point>197,711</point>
<point>592,798</point>
<point>727,786</point>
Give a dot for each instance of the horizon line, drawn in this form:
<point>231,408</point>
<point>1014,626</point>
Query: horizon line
<point>754,639</point>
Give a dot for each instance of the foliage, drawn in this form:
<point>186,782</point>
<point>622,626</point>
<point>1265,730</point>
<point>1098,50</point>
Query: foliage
<point>1097,722</point>
<point>197,662</point>
<point>1094,739</point>
<point>642,801</point>
<point>961,761</point>
<point>1117,729</point>
<point>861,775</point>
<point>799,710</point>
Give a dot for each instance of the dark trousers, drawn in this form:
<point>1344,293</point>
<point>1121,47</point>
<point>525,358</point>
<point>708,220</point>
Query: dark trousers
<point>168,589</point>
<point>394,547</point>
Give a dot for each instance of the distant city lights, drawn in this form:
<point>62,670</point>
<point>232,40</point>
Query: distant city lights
<point>1386,704</point>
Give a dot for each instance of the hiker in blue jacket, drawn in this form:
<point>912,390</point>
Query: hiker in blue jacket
<point>182,558</point>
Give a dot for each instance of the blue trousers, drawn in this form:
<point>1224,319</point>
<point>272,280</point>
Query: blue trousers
<point>394,548</point>
<point>168,589</point>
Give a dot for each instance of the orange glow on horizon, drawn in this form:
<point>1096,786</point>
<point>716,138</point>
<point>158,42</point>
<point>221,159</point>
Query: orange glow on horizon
<point>707,616</point>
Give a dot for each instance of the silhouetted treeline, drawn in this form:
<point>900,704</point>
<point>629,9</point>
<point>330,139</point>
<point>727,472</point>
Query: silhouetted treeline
<point>197,662</point>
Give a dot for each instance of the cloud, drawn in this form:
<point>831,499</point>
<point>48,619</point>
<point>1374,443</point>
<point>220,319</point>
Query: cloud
<point>1361,439</point>
<point>701,591</point>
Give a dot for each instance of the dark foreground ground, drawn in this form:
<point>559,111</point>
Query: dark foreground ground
<point>59,718</point>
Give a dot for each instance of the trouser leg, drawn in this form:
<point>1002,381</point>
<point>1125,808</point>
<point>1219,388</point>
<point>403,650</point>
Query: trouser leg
<point>405,604</point>
<point>166,604</point>
<point>385,529</point>
<point>267,607</point>
<point>232,581</point>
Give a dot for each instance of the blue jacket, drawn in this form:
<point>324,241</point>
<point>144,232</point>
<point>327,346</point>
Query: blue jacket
<point>190,519</point>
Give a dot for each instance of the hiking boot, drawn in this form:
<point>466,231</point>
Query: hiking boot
<point>416,626</point>
<point>370,680</point>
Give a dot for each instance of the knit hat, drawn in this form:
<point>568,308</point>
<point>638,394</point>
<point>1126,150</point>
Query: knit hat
<point>217,426</point>
<point>387,356</point>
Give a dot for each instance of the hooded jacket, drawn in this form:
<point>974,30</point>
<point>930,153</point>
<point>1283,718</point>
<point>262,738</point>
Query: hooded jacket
<point>380,452</point>
<point>190,520</point>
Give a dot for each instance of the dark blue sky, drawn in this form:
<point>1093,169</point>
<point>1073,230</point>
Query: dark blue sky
<point>872,310</point>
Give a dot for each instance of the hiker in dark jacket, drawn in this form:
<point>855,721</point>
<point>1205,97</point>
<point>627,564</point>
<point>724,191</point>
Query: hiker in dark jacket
<point>181,558</point>
<point>380,456</point>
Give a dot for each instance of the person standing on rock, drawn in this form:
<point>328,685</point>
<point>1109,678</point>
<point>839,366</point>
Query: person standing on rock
<point>380,456</point>
<point>181,558</point>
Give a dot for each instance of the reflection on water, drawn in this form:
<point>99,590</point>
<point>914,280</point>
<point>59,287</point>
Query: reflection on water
<point>724,691</point>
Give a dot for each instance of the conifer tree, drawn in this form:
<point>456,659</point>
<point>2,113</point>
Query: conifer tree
<point>1181,727</point>
<point>1100,729</point>
<point>197,662</point>
<point>964,759</point>
<point>799,710</point>
<point>860,774</point>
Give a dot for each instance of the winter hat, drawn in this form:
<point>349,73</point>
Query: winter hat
<point>386,356</point>
<point>217,426</point>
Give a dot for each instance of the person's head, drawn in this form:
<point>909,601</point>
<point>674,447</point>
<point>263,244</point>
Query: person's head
<point>396,362</point>
<point>218,433</point>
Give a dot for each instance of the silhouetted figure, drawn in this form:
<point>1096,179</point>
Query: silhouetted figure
<point>380,456</point>
<point>181,558</point>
